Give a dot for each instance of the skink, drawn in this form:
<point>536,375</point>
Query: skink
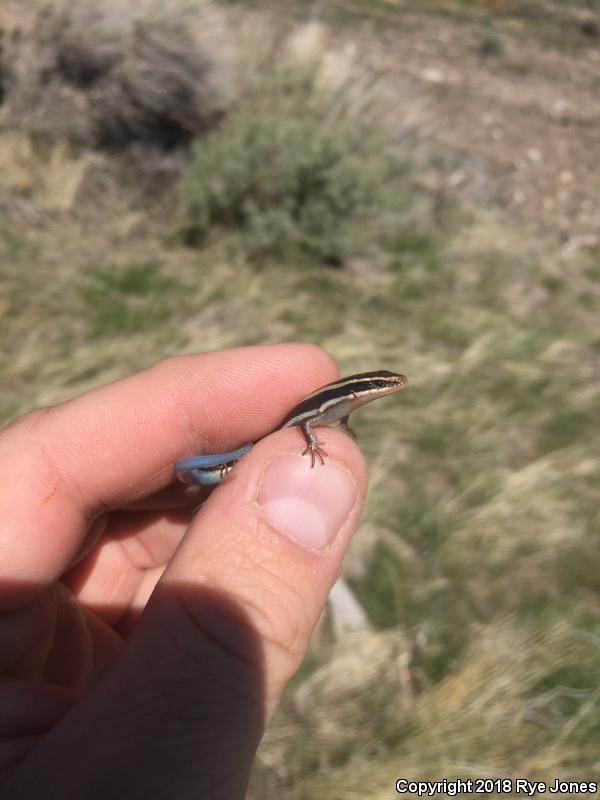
<point>331,404</point>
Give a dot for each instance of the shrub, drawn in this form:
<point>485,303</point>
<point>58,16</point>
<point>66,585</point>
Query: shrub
<point>116,72</point>
<point>294,170</point>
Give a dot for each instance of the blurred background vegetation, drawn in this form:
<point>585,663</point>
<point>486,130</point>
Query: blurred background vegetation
<point>414,186</point>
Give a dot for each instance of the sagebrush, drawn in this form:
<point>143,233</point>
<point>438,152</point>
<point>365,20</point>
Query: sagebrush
<point>295,170</point>
<point>113,73</point>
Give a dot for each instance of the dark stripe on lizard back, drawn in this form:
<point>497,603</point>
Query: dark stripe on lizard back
<point>357,387</point>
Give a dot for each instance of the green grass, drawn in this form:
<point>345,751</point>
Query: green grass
<point>127,299</point>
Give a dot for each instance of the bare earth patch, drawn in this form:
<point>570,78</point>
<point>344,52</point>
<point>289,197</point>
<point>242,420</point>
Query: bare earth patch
<point>529,111</point>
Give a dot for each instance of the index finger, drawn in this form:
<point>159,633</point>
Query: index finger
<point>63,466</point>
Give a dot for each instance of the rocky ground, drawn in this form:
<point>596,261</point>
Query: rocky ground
<point>518,116</point>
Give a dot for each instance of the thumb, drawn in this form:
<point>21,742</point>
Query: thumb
<point>183,710</point>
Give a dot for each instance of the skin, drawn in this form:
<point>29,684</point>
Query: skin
<point>143,647</point>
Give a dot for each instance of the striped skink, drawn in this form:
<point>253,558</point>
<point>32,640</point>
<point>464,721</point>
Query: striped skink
<point>331,404</point>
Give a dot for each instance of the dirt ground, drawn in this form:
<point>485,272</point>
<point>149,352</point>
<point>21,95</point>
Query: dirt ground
<point>524,116</point>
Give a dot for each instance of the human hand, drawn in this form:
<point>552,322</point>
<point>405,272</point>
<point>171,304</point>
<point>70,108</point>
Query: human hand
<point>142,647</point>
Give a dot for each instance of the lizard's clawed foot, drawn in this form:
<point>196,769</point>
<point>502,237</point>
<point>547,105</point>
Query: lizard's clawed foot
<point>317,451</point>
